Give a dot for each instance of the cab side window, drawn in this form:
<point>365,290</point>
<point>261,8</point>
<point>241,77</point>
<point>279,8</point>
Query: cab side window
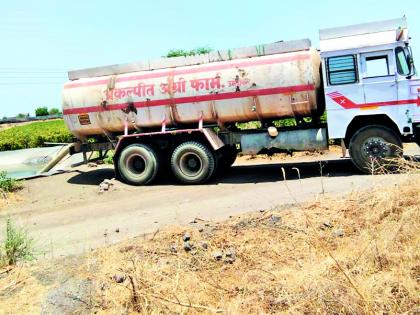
<point>342,70</point>
<point>377,66</point>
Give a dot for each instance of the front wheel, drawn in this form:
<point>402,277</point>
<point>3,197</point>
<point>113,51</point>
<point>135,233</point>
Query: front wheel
<point>138,164</point>
<point>372,146</point>
<point>192,163</point>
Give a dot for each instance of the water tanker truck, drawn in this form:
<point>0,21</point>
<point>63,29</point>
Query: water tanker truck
<point>183,112</point>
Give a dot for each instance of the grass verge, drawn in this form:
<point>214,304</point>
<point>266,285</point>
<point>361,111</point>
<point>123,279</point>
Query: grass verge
<point>357,254</point>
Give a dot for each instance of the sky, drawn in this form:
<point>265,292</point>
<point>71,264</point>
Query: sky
<point>41,40</point>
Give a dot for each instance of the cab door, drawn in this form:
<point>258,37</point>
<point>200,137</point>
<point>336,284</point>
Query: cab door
<point>379,78</point>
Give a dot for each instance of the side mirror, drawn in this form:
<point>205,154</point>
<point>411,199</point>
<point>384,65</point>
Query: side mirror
<point>410,62</point>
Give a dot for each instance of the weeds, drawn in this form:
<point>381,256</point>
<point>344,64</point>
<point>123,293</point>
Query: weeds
<point>18,246</point>
<point>8,184</point>
<point>109,158</point>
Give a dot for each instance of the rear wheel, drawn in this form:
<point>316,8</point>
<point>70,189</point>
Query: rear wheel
<point>138,164</point>
<point>372,146</point>
<point>192,163</point>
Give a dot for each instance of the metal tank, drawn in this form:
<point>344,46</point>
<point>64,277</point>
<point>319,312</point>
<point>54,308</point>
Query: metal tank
<point>254,83</point>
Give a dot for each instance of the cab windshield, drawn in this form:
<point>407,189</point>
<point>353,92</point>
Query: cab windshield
<point>404,63</point>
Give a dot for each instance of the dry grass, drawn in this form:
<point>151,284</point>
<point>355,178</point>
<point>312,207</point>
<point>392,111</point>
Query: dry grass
<point>358,254</point>
<point>355,255</point>
<point>8,199</point>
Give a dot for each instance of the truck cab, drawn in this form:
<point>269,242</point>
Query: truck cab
<point>371,88</point>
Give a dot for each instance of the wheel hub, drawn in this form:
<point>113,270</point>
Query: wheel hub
<point>136,164</point>
<point>190,163</point>
<point>376,148</point>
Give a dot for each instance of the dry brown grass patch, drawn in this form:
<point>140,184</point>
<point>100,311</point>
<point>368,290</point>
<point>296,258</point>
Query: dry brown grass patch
<point>280,265</point>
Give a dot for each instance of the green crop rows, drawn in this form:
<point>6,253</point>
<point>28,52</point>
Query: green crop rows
<point>34,135</point>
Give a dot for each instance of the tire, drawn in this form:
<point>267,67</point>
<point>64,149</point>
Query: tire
<point>192,163</point>
<point>374,144</point>
<point>138,164</point>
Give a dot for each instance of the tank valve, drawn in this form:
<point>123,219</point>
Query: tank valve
<point>273,132</point>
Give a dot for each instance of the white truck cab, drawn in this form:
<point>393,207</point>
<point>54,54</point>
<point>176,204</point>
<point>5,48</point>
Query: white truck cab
<point>371,87</point>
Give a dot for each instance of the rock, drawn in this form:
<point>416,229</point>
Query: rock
<point>338,233</point>
<point>108,182</point>
<point>229,260</point>
<point>217,255</point>
<point>200,230</point>
<point>230,256</point>
<point>118,278</point>
<point>327,224</point>
<point>196,220</point>
<point>173,249</point>
<point>70,297</point>
<point>231,253</point>
<point>187,246</point>
<point>186,237</point>
<point>274,220</point>
<point>103,186</point>
<point>127,249</point>
<point>90,164</point>
<point>117,230</point>
<point>204,245</point>
<point>242,224</point>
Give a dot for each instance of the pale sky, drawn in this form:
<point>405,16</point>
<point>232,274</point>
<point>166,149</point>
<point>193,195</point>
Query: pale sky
<point>42,40</point>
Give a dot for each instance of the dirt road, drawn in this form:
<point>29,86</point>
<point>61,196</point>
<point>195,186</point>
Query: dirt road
<point>66,214</point>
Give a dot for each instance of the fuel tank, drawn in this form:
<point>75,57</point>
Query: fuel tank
<point>263,82</point>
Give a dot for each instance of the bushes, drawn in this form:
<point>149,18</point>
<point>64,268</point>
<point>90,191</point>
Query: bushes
<point>18,246</point>
<point>34,135</point>
<point>54,111</point>
<point>8,184</point>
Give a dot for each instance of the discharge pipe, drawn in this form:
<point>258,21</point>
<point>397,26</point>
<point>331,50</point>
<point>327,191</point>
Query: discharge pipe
<point>61,155</point>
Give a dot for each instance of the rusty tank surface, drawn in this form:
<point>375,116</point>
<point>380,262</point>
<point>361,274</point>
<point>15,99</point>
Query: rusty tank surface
<point>265,82</point>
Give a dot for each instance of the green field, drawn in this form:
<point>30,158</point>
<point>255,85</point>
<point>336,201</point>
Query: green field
<point>34,135</point>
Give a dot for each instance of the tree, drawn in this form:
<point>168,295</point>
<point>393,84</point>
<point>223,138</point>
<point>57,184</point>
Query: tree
<point>41,111</point>
<point>21,115</point>
<point>54,111</point>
